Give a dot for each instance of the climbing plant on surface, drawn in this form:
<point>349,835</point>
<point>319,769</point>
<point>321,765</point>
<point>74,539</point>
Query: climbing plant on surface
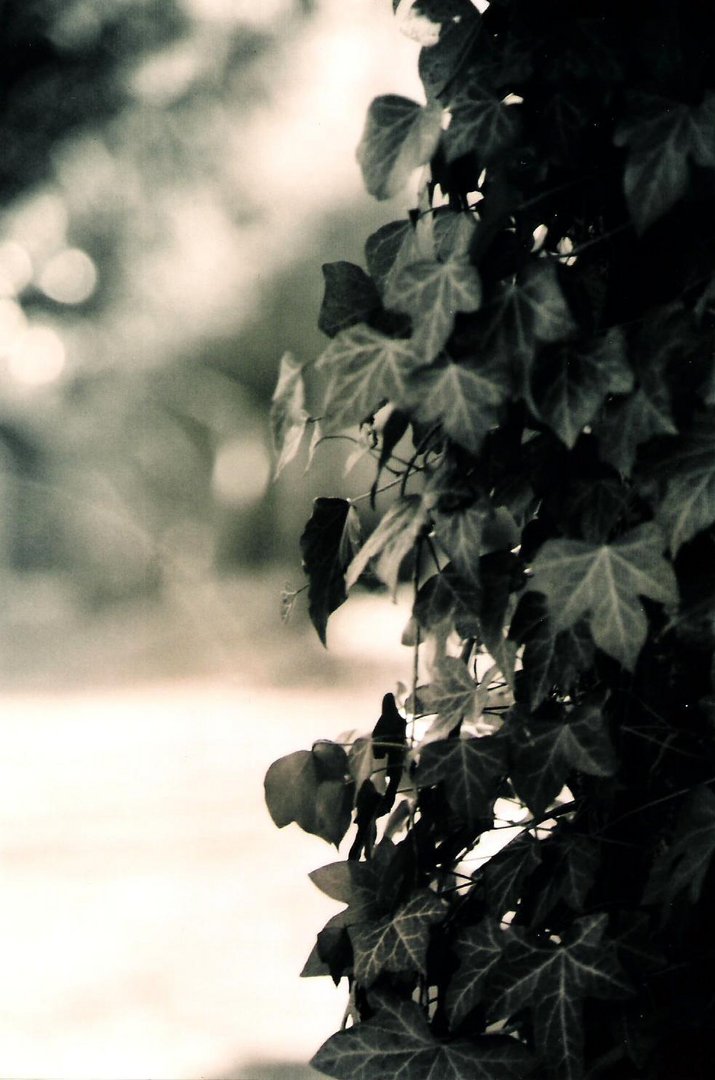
<point>528,832</point>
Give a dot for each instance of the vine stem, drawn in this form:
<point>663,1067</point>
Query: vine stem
<point>416,650</point>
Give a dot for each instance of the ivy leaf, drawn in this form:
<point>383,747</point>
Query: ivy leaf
<point>523,313</point>
<point>684,864</point>
<point>626,424</point>
<point>366,369</point>
<point>482,123</point>
<point>549,657</point>
<point>397,943</point>
<point>688,504</point>
<point>471,770</point>
<point>350,297</point>
<point>398,137</point>
<point>439,63</point>
<point>328,543</point>
<point>432,293</point>
<point>301,787</point>
<point>453,695</point>
<point>397,1041</point>
<point>661,135</point>
<point>460,534</point>
<point>604,582</point>
<point>552,981</point>
<point>546,751</point>
<point>572,872</point>
<point>505,873</point>
<point>479,949</point>
<point>388,250</point>
<point>501,574</point>
<point>466,399</point>
<point>288,416</point>
<point>570,384</point>
<point>448,594</point>
<point>391,541</point>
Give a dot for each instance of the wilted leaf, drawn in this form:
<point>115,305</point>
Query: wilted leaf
<point>288,417</point>
<point>391,541</point>
<point>432,293</point>
<point>298,789</point>
<point>328,543</point>
<point>398,137</point>
<point>350,297</point>
<point>604,582</point>
<point>471,770</point>
<point>397,943</point>
<point>366,369</point>
<point>552,981</point>
<point>397,1041</point>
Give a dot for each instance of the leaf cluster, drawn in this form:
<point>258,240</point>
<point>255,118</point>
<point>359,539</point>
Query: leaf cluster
<point>529,356</point>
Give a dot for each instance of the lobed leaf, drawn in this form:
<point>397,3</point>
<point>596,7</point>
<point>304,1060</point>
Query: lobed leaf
<point>432,292</point>
<point>604,583</point>
<point>350,297</point>
<point>398,137</point>
<point>392,540</point>
<point>366,369</point>
<point>479,949</point>
<point>397,1041</point>
<point>396,943</point>
<point>471,769</point>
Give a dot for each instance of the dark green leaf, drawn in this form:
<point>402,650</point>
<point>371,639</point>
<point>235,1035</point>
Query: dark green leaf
<point>471,770</point>
<point>574,863</point>
<point>689,501</point>
<point>684,864</point>
<point>460,534</point>
<point>350,297</point>
<point>570,384</point>
<point>479,949</point>
<point>391,541</point>
<point>366,369</point>
<point>552,980</point>
<point>288,416</point>
<point>466,400</point>
<point>328,544</point>
<point>397,1041</point>
<point>604,582</point>
<point>481,122</point>
<point>398,137</point>
<point>297,790</point>
<point>397,943</point>
<point>453,695</point>
<point>546,751</point>
<point>661,135</point>
<point>388,250</point>
<point>549,657</point>
<point>432,293</point>
<point>505,873</point>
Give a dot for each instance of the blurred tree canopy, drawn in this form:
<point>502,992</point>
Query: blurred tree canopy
<point>131,441</point>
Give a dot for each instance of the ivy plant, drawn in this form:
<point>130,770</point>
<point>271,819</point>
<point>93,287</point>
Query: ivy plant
<point>528,831</point>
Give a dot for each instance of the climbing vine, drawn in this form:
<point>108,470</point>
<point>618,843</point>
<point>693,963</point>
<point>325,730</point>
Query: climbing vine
<point>528,872</point>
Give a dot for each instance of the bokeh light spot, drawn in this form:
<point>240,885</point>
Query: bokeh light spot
<point>37,356</point>
<point>241,472</point>
<point>15,268</point>
<point>70,277</point>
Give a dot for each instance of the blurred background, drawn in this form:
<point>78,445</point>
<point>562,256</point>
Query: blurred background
<point>173,173</point>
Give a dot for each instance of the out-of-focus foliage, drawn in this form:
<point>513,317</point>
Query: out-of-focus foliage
<point>131,426</point>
